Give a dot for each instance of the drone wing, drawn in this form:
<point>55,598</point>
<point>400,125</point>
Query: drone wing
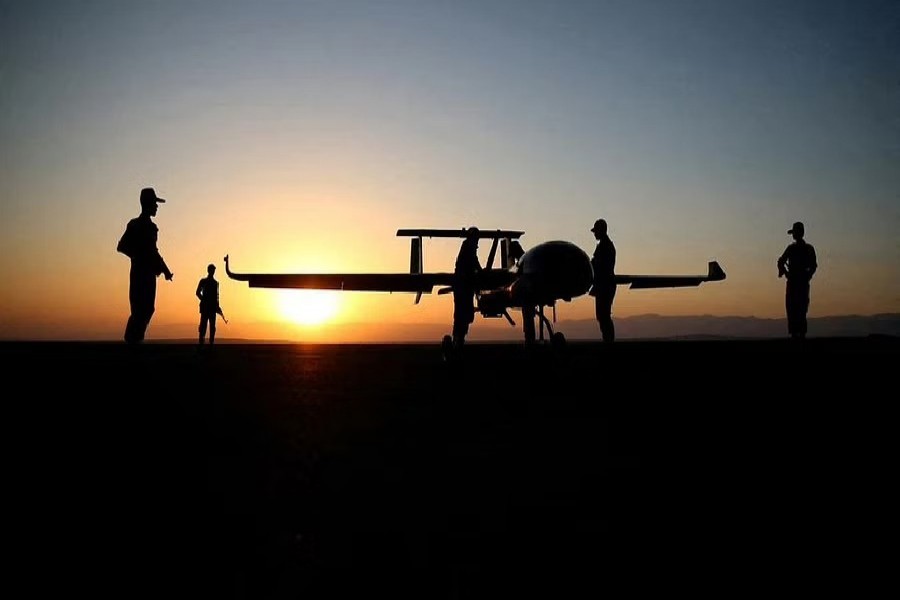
<point>715,273</point>
<point>421,283</point>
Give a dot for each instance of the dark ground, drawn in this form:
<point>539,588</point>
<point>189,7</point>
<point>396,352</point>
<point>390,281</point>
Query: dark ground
<point>292,471</point>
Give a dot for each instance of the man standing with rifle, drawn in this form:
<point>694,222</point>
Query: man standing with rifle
<point>208,293</point>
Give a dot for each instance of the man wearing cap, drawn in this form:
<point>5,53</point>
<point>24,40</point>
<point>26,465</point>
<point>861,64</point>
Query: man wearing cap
<point>139,244</point>
<point>604,289</point>
<point>466,269</point>
<point>798,264</point>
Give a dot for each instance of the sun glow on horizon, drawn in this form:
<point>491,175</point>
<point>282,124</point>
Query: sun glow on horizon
<point>309,307</point>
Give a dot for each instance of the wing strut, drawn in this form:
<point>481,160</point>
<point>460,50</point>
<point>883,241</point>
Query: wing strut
<point>416,260</point>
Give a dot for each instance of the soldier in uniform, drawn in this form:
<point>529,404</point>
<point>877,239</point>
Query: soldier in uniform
<point>604,289</point>
<point>798,264</point>
<point>139,244</point>
<point>208,293</point>
<point>467,267</point>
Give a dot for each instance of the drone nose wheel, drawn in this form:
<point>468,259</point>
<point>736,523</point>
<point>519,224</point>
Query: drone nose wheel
<point>558,340</point>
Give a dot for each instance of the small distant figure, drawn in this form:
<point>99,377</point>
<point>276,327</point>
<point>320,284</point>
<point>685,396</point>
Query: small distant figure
<point>139,244</point>
<point>466,270</point>
<point>208,293</point>
<point>604,289</point>
<point>798,264</point>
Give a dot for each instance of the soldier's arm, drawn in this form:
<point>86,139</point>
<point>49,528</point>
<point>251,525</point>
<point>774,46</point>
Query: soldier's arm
<point>474,263</point>
<point>199,288</point>
<point>813,264</point>
<point>125,242</point>
<point>782,260</point>
<point>165,268</point>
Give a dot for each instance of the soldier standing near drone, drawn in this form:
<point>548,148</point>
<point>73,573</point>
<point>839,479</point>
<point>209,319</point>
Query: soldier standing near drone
<point>464,287</point>
<point>798,264</point>
<point>603,264</point>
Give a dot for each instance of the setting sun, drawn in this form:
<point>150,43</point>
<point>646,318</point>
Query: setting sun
<point>309,307</point>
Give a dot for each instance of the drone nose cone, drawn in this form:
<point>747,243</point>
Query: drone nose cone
<point>557,271</point>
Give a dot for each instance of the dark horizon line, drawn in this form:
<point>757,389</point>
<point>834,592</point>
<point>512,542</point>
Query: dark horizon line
<point>638,316</point>
<point>560,320</point>
<point>415,330</point>
<point>626,340</point>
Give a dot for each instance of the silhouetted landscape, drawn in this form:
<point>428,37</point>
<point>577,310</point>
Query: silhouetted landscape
<point>288,471</point>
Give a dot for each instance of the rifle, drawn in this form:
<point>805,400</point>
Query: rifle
<point>219,311</point>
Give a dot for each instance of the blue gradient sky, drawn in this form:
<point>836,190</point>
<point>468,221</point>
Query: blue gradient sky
<point>301,135</point>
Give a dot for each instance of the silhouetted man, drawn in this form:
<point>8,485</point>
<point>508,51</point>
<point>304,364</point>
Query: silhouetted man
<point>604,288</point>
<point>798,264</point>
<point>139,244</point>
<point>466,271</point>
<point>208,293</point>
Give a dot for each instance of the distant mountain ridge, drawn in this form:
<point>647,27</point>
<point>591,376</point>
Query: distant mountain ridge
<point>658,326</point>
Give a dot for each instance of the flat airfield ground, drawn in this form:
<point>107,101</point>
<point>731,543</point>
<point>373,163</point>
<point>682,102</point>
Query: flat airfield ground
<point>317,471</point>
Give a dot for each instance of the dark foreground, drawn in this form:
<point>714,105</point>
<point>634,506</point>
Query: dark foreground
<point>379,471</point>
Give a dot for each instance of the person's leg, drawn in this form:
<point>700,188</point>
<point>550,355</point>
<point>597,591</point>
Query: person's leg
<point>528,313</point>
<point>789,309</point>
<point>609,330</point>
<point>130,336</point>
<point>460,329</point>
<point>134,301</point>
<point>202,328</point>
<point>603,308</point>
<point>802,309</point>
<point>143,299</point>
<point>212,329</point>
<point>463,314</point>
<point>796,310</point>
<point>143,323</point>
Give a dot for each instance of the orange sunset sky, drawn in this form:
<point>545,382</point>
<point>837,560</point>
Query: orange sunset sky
<point>298,137</point>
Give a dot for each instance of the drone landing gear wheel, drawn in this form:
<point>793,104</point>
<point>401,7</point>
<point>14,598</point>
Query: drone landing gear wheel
<point>558,341</point>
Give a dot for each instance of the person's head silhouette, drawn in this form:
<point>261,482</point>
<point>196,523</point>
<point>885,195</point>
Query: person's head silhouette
<point>599,228</point>
<point>797,230</point>
<point>150,201</point>
<point>211,269</point>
